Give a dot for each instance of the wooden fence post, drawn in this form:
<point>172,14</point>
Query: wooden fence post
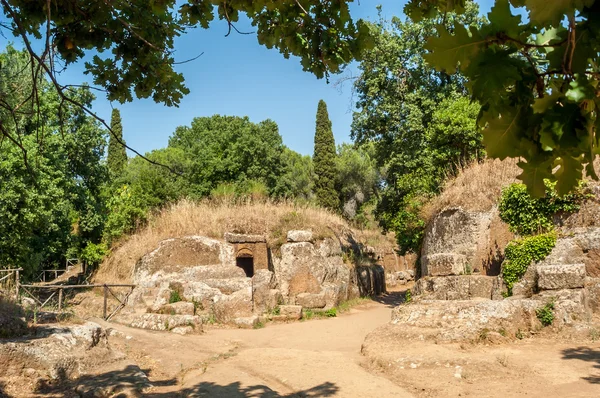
<point>17,285</point>
<point>105,299</point>
<point>60,299</point>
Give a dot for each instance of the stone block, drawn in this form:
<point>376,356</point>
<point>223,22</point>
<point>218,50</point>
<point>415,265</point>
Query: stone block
<point>481,286</point>
<point>527,285</point>
<point>179,308</point>
<point>309,300</point>
<point>291,311</point>
<point>561,276</point>
<point>236,305</point>
<point>249,322</point>
<point>243,238</point>
<point>166,322</point>
<point>299,236</point>
<point>444,264</point>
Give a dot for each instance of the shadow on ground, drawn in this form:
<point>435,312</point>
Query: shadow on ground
<point>206,389</point>
<point>391,299</point>
<point>585,354</point>
<point>132,378</point>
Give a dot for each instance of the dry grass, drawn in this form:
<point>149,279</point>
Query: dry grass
<point>476,188</point>
<point>214,219</point>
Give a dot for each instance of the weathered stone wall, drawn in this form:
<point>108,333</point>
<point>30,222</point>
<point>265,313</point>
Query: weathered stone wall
<point>202,273</point>
<point>461,242</point>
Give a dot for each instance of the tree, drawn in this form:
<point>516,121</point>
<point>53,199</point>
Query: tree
<point>133,41</point>
<point>229,149</point>
<point>358,178</point>
<point>117,156</point>
<point>297,178</point>
<point>453,138</point>
<point>402,110</point>
<point>324,159</point>
<point>50,202</point>
<point>536,79</point>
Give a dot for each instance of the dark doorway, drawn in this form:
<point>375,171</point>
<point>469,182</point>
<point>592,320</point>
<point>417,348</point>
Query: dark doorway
<point>247,264</point>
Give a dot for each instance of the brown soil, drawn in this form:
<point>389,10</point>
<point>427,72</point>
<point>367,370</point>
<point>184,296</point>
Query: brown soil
<point>323,358</point>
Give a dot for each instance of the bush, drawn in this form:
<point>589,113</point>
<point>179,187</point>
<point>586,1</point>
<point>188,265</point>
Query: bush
<point>521,252</point>
<point>93,254</point>
<point>546,314</point>
<point>526,215</point>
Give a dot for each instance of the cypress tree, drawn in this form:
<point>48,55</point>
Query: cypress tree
<point>324,160</point>
<point>117,157</point>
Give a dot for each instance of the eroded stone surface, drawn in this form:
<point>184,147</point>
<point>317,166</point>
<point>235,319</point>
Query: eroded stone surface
<point>442,264</point>
<point>308,300</point>
<point>290,311</point>
<point>244,238</point>
<point>299,236</point>
<point>561,276</point>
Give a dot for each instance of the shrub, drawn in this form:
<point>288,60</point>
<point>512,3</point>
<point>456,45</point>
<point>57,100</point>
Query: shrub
<point>546,313</point>
<point>93,254</point>
<point>408,296</point>
<point>521,252</point>
<point>175,297</point>
<point>526,215</point>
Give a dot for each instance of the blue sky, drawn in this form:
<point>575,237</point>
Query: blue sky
<point>237,76</point>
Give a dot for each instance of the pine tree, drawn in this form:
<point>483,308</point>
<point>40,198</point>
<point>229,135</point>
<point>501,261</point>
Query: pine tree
<point>117,157</point>
<point>324,160</point>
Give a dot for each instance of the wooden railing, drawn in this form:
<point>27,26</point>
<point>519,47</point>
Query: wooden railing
<point>59,290</point>
<point>9,281</point>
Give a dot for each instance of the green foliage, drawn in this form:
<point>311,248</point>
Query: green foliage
<point>297,178</point>
<point>228,149</point>
<point>408,296</point>
<point>520,253</point>
<point>419,121</point>
<point>310,313</point>
<point>324,160</point>
<point>93,253</point>
<point>175,297</point>
<point>117,157</point>
<point>358,178</point>
<point>136,57</point>
<point>126,212</point>
<point>49,195</point>
<point>545,314</point>
<point>527,215</point>
<point>536,84</point>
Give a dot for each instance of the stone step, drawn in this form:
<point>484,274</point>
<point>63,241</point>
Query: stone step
<point>460,287</point>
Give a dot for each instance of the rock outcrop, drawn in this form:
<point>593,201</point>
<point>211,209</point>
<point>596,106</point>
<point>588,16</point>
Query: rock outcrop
<point>187,281</point>
<point>461,242</point>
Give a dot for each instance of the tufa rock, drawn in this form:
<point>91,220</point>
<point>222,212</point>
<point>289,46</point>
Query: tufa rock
<point>242,238</point>
<point>179,308</point>
<point>561,276</point>
<point>291,311</point>
<point>299,236</point>
<point>309,300</point>
<point>443,264</point>
<point>237,305</point>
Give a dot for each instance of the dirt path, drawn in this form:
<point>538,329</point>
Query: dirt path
<point>322,358</point>
<point>312,358</point>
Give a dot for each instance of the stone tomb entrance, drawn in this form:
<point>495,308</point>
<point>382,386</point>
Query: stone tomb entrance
<point>245,260</point>
<point>251,252</point>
